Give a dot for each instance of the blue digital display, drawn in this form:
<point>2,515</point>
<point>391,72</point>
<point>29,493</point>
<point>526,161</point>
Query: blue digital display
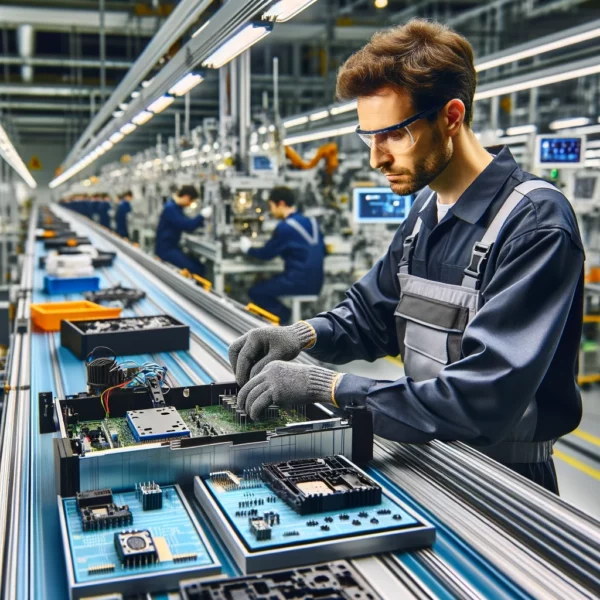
<point>262,163</point>
<point>560,150</point>
<point>380,205</point>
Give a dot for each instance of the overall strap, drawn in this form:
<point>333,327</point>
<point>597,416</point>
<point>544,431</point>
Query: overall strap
<point>473,274</point>
<point>410,241</point>
<point>313,239</point>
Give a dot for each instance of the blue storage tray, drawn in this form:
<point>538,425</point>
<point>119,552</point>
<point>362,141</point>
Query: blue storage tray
<point>70,285</point>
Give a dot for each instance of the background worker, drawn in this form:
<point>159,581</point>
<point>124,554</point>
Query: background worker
<point>123,209</point>
<point>299,241</point>
<point>172,223</point>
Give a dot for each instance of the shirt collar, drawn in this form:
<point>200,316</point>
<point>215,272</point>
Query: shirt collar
<point>476,199</point>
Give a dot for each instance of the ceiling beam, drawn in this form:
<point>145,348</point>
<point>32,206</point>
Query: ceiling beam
<point>87,21</point>
<point>63,61</point>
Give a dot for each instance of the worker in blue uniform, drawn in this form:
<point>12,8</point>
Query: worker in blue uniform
<point>103,209</point>
<point>123,209</point>
<point>173,222</point>
<point>480,291</point>
<point>299,241</point>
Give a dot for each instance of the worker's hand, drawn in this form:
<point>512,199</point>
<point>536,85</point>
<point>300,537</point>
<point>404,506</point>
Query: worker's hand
<point>245,244</point>
<point>284,384</point>
<point>252,352</point>
<point>207,212</point>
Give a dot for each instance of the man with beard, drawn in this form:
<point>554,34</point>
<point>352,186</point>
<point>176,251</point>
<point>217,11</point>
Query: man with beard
<point>480,290</point>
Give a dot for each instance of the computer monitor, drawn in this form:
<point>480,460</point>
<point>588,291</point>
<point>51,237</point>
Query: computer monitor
<point>262,163</point>
<point>560,152</point>
<point>380,205</point>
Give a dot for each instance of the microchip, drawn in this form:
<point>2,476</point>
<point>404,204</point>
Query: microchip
<point>136,548</point>
<point>260,529</point>
<point>150,495</point>
<point>105,516</point>
<point>94,498</point>
<point>154,424</point>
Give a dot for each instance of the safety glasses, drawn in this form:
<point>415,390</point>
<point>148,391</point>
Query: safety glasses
<point>397,138</point>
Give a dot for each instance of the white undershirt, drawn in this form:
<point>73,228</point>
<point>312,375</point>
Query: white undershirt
<point>442,209</point>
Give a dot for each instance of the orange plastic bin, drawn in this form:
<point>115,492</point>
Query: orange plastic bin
<point>48,316</point>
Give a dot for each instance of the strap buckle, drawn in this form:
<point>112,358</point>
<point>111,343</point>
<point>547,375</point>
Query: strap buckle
<point>476,268</point>
<point>408,249</point>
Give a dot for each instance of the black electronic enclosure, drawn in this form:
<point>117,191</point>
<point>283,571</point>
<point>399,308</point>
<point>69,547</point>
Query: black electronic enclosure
<point>63,240</point>
<point>81,337</point>
<point>88,408</point>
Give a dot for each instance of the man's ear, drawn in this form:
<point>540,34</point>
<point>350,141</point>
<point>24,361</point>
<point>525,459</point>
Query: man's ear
<point>454,116</point>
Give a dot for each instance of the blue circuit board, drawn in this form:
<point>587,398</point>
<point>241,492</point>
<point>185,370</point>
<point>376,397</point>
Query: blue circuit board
<point>294,529</point>
<point>173,531</point>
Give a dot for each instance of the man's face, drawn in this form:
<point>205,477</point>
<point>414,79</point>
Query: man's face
<point>409,171</point>
<point>185,200</point>
<point>274,208</point>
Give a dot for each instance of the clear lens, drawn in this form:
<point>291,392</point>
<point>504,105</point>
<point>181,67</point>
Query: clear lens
<point>394,142</point>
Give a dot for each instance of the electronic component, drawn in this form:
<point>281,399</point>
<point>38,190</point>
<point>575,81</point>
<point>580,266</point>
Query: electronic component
<point>102,370</point>
<point>162,547</point>
<point>127,296</point>
<point>282,537</point>
<point>260,529</point>
<point>334,580</point>
<point>320,485</point>
<point>135,548</point>
<point>150,495</point>
<point>98,511</point>
<point>104,568</point>
<point>156,424</point>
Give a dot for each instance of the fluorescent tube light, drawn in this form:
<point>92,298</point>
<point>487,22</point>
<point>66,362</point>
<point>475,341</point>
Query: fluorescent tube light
<point>284,10</point>
<point>342,108</point>
<point>238,43</point>
<point>188,153</point>
<point>568,123</point>
<point>128,128</point>
<point>160,104</point>
<point>12,157</point>
<point>184,85</point>
<point>107,145</point>
<point>142,117</point>
<point>319,135</point>
<point>116,137</point>
<point>322,114</point>
<point>295,122</point>
<point>521,129</point>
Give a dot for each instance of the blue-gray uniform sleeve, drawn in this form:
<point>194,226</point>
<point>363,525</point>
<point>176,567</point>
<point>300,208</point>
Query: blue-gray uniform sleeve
<point>274,247</point>
<point>507,349</point>
<point>362,326</point>
<point>180,221</point>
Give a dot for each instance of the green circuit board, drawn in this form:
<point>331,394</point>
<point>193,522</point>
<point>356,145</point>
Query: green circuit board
<point>201,421</point>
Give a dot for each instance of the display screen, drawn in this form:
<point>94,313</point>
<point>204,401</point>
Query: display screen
<point>380,205</point>
<point>585,188</point>
<point>262,163</point>
<point>560,150</point>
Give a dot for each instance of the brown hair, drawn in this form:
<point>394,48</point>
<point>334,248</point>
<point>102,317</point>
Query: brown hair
<point>429,60</point>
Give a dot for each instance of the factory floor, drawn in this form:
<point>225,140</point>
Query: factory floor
<point>576,456</point>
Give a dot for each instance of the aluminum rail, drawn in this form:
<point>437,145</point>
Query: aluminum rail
<point>549,548</point>
<point>14,504</point>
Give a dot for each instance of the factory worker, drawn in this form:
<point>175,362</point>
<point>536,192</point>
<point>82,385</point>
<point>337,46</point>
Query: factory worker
<point>173,222</point>
<point>103,209</point>
<point>299,241</point>
<point>480,291</point>
<point>123,209</point>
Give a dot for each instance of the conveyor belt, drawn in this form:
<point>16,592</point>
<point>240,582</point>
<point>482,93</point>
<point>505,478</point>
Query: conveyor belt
<point>498,536</point>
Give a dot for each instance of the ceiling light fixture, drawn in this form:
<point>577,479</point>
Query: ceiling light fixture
<point>128,128</point>
<point>569,123</point>
<point>161,103</point>
<point>185,84</point>
<point>521,129</point>
<point>294,122</point>
<point>142,117</point>
<point>12,157</point>
<point>284,10</point>
<point>245,37</point>
<point>319,135</point>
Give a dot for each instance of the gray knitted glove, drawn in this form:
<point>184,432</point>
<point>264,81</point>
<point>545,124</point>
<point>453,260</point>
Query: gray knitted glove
<point>284,383</point>
<point>252,352</point>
